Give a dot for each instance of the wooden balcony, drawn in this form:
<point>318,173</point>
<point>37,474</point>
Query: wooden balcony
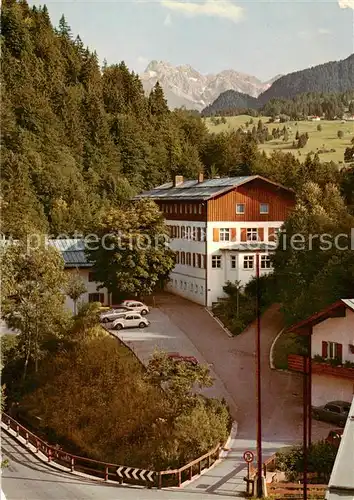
<point>296,363</point>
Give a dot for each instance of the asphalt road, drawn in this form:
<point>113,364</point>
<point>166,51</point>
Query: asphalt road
<point>27,478</point>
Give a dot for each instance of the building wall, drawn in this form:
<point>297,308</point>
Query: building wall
<point>91,287</point>
<point>326,388</point>
<point>223,207</point>
<point>340,330</point>
<point>188,281</point>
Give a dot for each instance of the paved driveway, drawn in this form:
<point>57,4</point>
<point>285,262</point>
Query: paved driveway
<point>182,326</point>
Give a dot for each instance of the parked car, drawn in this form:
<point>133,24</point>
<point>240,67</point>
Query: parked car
<point>334,411</point>
<point>130,320</point>
<point>113,314</point>
<point>178,357</point>
<point>136,306</point>
<point>334,436</point>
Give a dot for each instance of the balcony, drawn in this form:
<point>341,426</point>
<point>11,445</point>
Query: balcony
<point>321,367</point>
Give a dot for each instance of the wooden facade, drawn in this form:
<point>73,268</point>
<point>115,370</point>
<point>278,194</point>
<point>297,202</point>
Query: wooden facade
<point>252,195</point>
<point>188,210</point>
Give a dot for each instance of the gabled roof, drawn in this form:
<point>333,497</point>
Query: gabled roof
<point>326,313</point>
<point>194,190</point>
<point>73,252</point>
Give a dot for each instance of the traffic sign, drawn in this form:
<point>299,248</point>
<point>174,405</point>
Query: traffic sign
<point>248,456</point>
<point>137,474</point>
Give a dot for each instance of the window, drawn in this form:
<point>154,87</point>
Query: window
<point>199,208</point>
<point>180,208</point>
<point>224,234</point>
<point>185,285</point>
<point>183,258</point>
<point>201,289</point>
<point>199,260</point>
<point>252,234</point>
<point>216,261</point>
<point>188,259</point>
<point>264,208</point>
<point>96,297</point>
<point>181,284</point>
<point>265,262</point>
<point>202,234</point>
<point>91,277</point>
<point>248,262</point>
<point>240,208</point>
<point>177,257</point>
<point>190,208</point>
<point>162,207</point>
<point>191,287</point>
<point>334,350</point>
<point>233,261</point>
<point>194,209</point>
<point>185,209</point>
<point>175,208</point>
<point>196,289</point>
<point>189,230</point>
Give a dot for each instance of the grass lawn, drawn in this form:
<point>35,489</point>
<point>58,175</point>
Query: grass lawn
<point>324,139</point>
<point>287,343</point>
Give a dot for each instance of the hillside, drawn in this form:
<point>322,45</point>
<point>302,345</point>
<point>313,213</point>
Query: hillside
<point>185,86</point>
<point>232,101</point>
<point>335,76</point>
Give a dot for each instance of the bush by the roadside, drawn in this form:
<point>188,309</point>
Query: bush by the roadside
<point>97,398</point>
<point>239,308</point>
<point>321,457</point>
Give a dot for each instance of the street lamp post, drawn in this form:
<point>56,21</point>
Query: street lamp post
<point>259,485</point>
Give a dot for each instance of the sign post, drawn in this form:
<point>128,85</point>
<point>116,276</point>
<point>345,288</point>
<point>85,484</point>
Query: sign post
<point>248,458</point>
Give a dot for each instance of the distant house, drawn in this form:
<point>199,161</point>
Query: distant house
<point>332,352</point>
<point>314,118</point>
<point>73,252</point>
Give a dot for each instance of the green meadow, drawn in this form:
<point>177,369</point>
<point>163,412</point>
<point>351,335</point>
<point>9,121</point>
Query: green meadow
<point>326,139</point>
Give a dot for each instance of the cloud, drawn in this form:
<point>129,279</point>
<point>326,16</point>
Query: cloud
<point>346,4</point>
<point>142,60</point>
<point>225,9</point>
<point>167,20</point>
<point>324,31</point>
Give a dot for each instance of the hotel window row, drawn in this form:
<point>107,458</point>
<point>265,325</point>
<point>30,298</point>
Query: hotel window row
<point>182,208</point>
<point>246,233</point>
<point>190,286</point>
<point>187,233</point>
<point>249,262</point>
<point>191,259</point>
<point>263,208</point>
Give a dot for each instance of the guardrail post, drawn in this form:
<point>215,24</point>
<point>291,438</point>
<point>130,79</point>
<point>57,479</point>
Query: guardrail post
<point>49,454</point>
<point>200,467</point>
<point>208,461</point>
<point>106,474</point>
<point>17,430</point>
<point>191,472</point>
<point>72,464</point>
<point>8,424</point>
<point>26,437</point>
<point>160,481</point>
<point>37,445</point>
<point>179,478</point>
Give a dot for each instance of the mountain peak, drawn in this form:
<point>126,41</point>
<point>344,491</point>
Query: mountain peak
<point>185,86</point>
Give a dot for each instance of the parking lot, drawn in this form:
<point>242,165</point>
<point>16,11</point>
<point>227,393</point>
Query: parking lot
<point>164,335</point>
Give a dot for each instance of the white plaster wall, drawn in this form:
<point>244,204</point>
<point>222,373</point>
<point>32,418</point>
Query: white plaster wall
<point>196,294</point>
<point>326,388</point>
<point>339,330</point>
<point>91,287</point>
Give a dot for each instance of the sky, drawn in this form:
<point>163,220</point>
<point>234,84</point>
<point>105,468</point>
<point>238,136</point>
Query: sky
<point>263,38</point>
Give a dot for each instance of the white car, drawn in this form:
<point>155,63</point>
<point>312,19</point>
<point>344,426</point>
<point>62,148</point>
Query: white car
<point>136,306</point>
<point>113,314</point>
<point>130,320</point>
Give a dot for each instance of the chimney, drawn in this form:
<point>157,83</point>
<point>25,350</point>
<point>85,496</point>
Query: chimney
<point>178,180</point>
<point>200,177</point>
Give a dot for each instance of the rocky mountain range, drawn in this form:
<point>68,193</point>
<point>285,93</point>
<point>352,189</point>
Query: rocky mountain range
<point>184,86</point>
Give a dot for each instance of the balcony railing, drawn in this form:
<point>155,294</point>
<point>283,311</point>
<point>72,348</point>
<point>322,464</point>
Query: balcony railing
<point>296,363</point>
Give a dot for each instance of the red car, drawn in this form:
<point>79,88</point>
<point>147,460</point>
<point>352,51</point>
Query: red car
<point>334,436</point>
<point>178,357</point>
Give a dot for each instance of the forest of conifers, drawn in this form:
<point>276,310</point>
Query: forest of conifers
<point>77,137</point>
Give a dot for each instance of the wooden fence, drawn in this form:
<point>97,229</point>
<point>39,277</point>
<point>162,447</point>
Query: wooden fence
<point>108,471</point>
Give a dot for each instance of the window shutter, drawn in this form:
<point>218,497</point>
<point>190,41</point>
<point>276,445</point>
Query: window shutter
<point>339,352</point>
<point>324,349</point>
<point>261,234</point>
<point>193,259</point>
<point>199,233</point>
<point>233,234</point>
<point>204,262</point>
<point>243,234</point>
<point>271,233</point>
<point>215,234</point>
